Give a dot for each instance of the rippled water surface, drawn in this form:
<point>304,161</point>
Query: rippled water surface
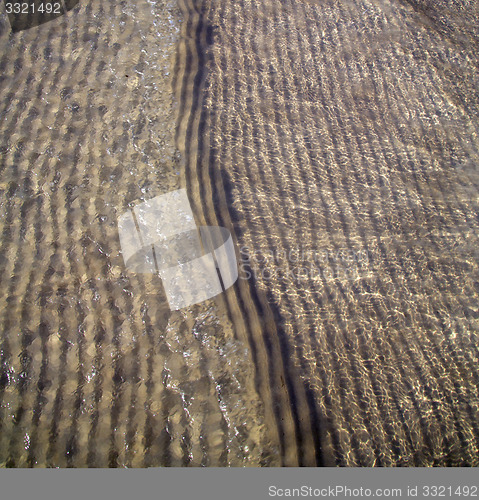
<point>338,143</point>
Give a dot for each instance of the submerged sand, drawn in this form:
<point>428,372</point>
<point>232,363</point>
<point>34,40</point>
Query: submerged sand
<point>337,141</point>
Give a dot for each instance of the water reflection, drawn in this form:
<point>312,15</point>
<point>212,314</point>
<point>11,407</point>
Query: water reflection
<point>95,368</point>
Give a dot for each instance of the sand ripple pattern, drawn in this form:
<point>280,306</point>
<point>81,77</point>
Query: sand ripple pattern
<point>96,371</point>
<point>347,129</point>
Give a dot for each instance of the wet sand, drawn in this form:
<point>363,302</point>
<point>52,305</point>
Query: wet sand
<point>337,141</point>
<point>96,370</point>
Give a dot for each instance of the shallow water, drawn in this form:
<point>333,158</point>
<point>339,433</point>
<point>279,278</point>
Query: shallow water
<point>96,369</point>
<point>336,141</point>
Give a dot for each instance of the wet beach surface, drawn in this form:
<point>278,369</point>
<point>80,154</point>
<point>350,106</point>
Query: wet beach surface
<point>96,369</point>
<point>337,141</point>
